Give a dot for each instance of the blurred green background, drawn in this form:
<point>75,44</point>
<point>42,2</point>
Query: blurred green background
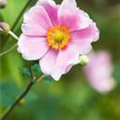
<point>72,98</point>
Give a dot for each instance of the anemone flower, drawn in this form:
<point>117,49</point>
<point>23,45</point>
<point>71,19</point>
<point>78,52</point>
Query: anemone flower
<point>99,71</point>
<point>56,35</point>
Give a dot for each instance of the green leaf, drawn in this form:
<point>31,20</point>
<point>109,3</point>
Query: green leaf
<point>36,69</point>
<point>48,80</point>
<point>25,72</point>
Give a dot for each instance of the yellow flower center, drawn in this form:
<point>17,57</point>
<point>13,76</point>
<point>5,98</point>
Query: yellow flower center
<point>58,37</point>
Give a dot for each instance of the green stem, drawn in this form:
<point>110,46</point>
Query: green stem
<point>14,46</point>
<point>13,35</point>
<point>9,50</point>
<point>21,13</point>
<point>16,102</point>
<point>30,68</point>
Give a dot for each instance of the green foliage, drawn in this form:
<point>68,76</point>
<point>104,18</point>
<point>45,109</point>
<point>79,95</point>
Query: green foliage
<point>10,92</point>
<point>25,71</point>
<point>117,72</point>
<point>13,6</point>
<point>48,80</point>
<point>36,69</point>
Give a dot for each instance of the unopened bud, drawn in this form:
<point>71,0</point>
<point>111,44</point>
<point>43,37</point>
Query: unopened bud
<point>84,59</point>
<point>3,3</point>
<point>4,27</point>
<point>21,102</point>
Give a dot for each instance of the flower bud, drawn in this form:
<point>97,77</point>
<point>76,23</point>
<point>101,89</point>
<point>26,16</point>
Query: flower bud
<point>21,102</point>
<point>3,3</point>
<point>4,27</point>
<point>84,59</point>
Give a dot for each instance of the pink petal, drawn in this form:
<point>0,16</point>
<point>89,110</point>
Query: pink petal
<point>85,20</point>
<point>52,10</point>
<point>71,17</point>
<point>101,80</point>
<point>103,85</point>
<point>68,68</point>
<point>48,61</point>
<point>67,14</point>
<point>69,4</point>
<point>82,47</point>
<point>89,34</point>
<point>33,30</point>
<point>83,38</point>
<point>32,48</point>
<point>56,63</point>
<point>66,58</point>
<point>67,18</point>
<point>36,22</point>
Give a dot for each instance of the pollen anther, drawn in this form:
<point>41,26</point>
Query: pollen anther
<point>58,37</point>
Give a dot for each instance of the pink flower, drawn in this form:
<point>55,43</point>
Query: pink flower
<point>56,35</point>
<point>99,71</point>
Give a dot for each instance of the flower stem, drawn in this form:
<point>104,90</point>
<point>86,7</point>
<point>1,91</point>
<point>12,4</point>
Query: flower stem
<point>31,73</point>
<point>21,13</point>
<point>13,35</point>
<point>14,46</point>
<point>19,98</point>
<point>9,50</point>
